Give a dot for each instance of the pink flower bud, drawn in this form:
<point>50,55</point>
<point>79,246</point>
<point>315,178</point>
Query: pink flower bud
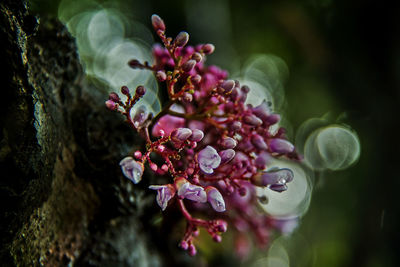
<point>215,198</point>
<point>217,238</point>
<point>208,159</point>
<point>187,97</point>
<point>180,134</point>
<point>140,90</point>
<point>184,245</point>
<point>114,97</point>
<point>153,166</point>
<point>192,250</point>
<point>157,22</point>
<point>189,65</point>
<point>132,169</point>
<point>181,39</point>
<point>208,49</point>
<point>280,146</point>
<point>125,90</point>
<point>164,194</point>
<point>161,76</point>
<point>137,154</point>
<point>111,105</point>
<point>221,226</point>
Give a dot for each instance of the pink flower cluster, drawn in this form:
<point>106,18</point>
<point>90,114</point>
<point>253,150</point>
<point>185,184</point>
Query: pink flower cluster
<point>214,147</point>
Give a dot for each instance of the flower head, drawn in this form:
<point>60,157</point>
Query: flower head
<point>164,194</point>
<point>208,159</point>
<point>132,169</point>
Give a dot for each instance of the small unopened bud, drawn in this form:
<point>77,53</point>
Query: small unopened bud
<point>217,238</point>
<point>111,105</point>
<point>138,154</point>
<point>259,142</point>
<point>281,146</point>
<point>228,142</point>
<point>114,97</point>
<point>196,79</point>
<point>197,135</point>
<point>187,97</point>
<point>181,39</point>
<point>153,166</point>
<point>189,65</point>
<point>197,56</point>
<point>242,191</point>
<point>236,126</point>
<point>222,226</point>
<point>208,48</point>
<point>134,63</point>
<point>252,120</point>
<point>228,85</point>
<point>161,76</point>
<point>140,90</point>
<point>125,90</point>
<point>158,23</point>
<point>245,89</point>
<point>184,245</point>
<point>192,250</point>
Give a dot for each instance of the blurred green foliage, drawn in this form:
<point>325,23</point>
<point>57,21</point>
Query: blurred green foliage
<point>343,57</point>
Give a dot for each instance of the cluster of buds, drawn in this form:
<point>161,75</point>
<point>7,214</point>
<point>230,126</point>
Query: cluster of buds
<point>214,148</point>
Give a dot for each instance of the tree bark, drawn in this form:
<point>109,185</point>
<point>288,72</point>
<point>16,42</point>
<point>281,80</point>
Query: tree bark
<point>64,200</point>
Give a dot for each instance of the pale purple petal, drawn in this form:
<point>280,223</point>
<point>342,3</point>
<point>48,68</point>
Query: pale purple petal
<point>209,159</point>
<point>277,176</point>
<point>164,194</point>
<point>132,169</point>
<point>192,192</point>
<point>228,142</point>
<point>259,142</point>
<point>216,200</point>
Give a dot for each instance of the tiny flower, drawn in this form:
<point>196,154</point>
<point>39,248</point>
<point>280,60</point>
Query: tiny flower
<point>208,159</point>
<point>197,135</point>
<point>157,22</point>
<point>226,155</point>
<point>228,142</point>
<point>280,146</point>
<point>181,39</point>
<point>180,134</point>
<point>215,198</point>
<point>189,65</point>
<point>111,105</point>
<point>190,191</point>
<point>164,194</point>
<point>259,142</point>
<point>132,169</point>
<point>192,250</point>
<point>208,48</point>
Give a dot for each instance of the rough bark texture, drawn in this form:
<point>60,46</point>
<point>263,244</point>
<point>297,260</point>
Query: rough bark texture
<point>64,200</point>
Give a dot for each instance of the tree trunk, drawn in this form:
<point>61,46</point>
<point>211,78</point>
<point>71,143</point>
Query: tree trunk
<point>64,200</point>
